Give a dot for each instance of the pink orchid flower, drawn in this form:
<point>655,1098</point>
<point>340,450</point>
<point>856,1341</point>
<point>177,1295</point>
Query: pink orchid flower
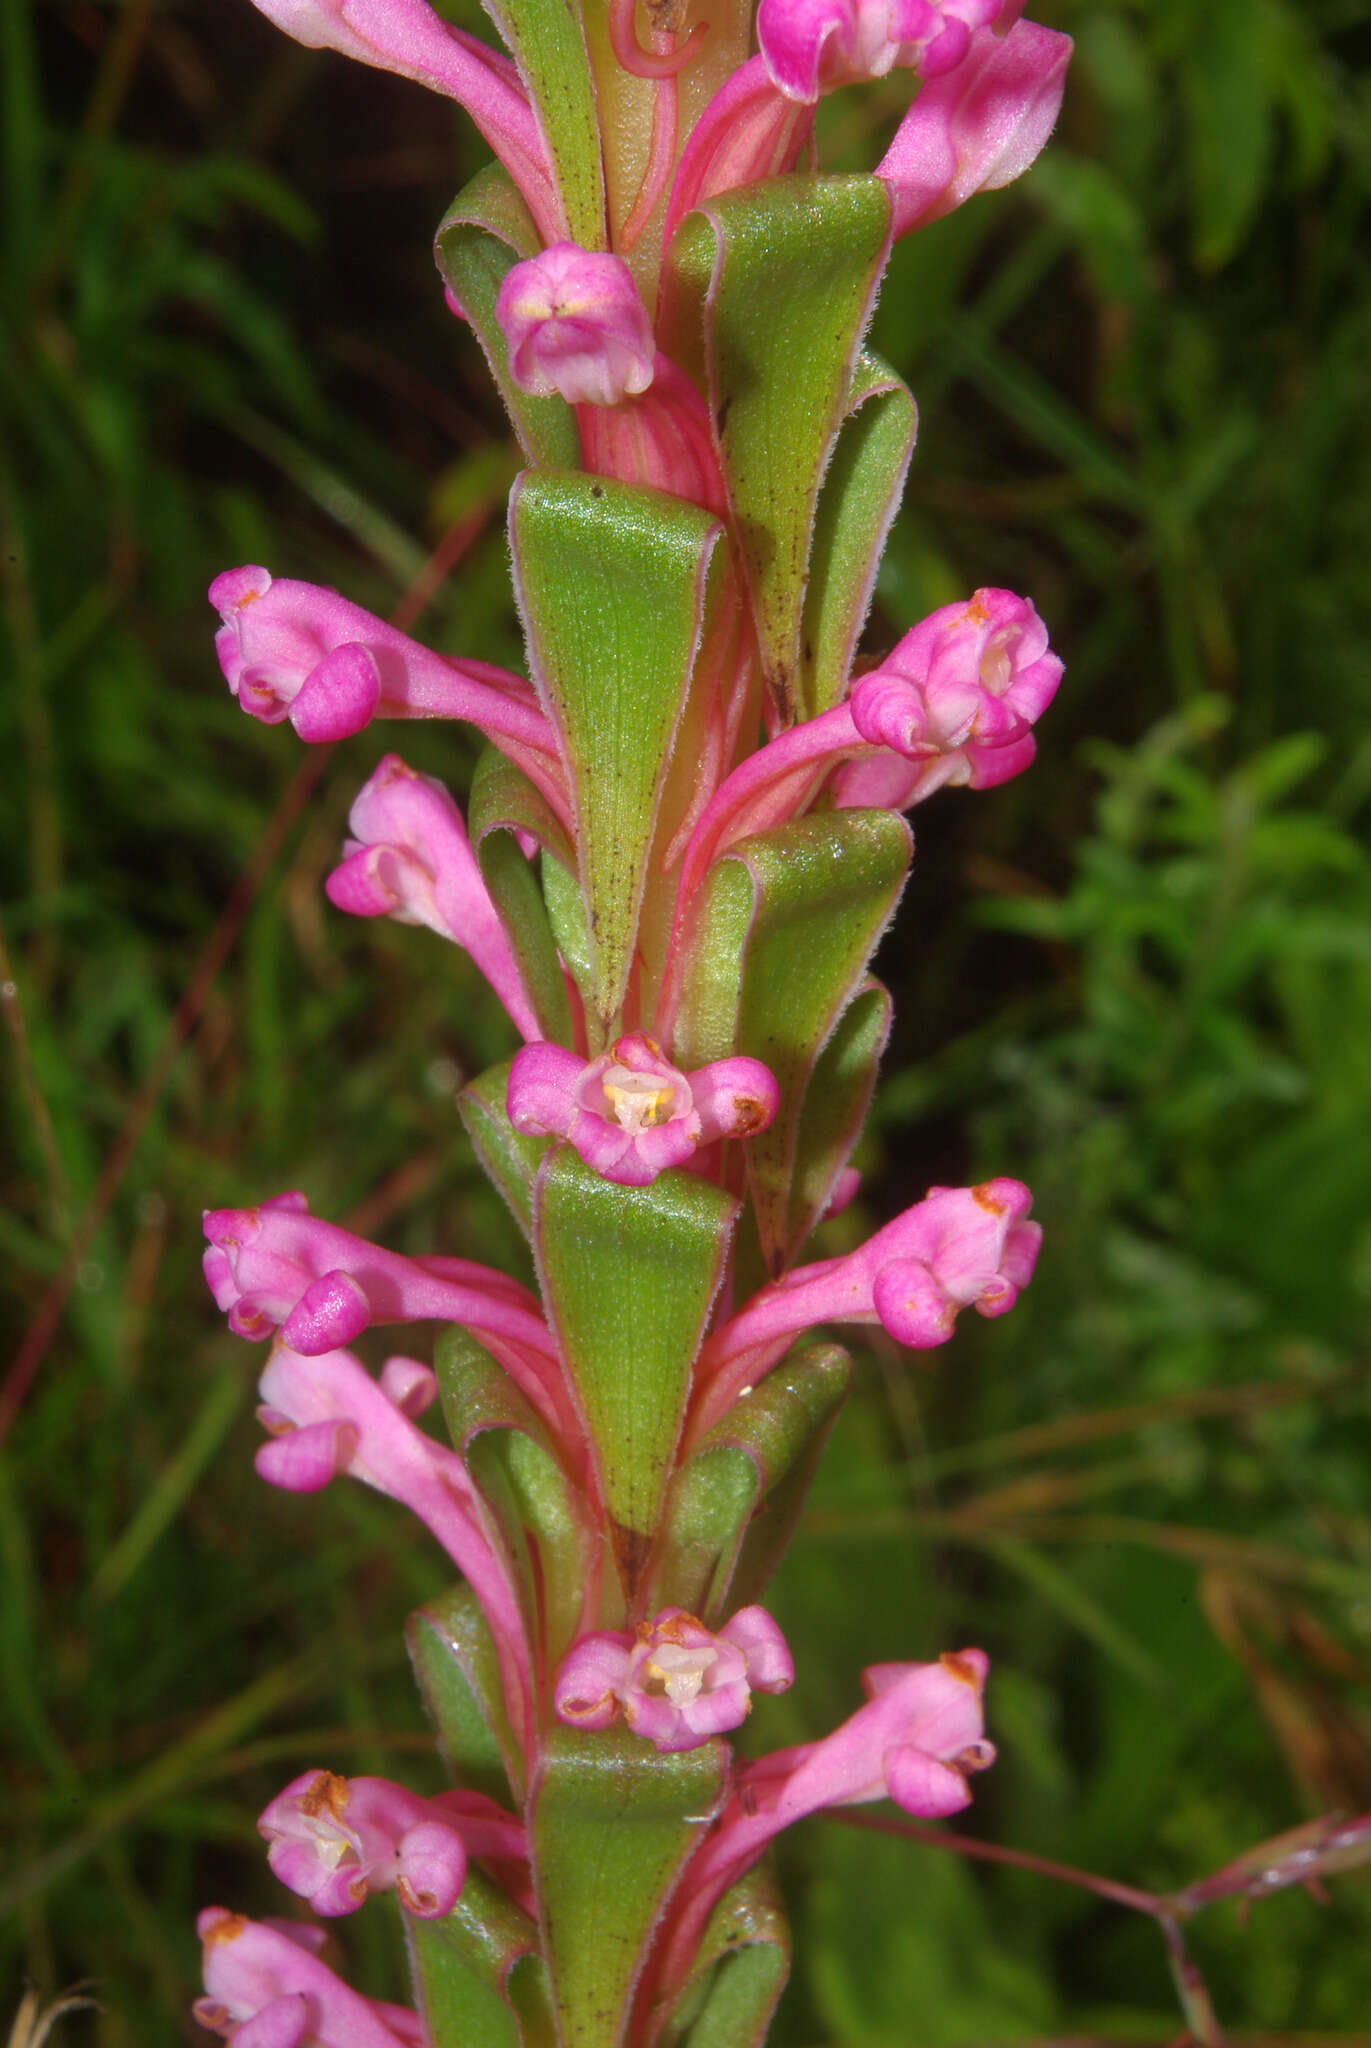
<point>954,703</point>
<point>958,1248</point>
<point>336,1841</point>
<point>300,651</point>
<point>277,1268</point>
<point>266,1988</point>
<point>675,1682</point>
<point>326,1415</point>
<point>916,1741</point>
<point>631,1114</point>
<point>409,858</point>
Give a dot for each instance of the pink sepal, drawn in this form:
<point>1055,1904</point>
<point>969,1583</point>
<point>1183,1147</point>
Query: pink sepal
<point>770,1666</point>
<point>575,325</point>
<point>978,126</point>
<point>630,1113</point>
<point>332,1310</point>
<point>257,1972</point>
<point>409,858</point>
<point>591,1680</point>
<point>285,2023</point>
<point>409,1386</point>
<point>676,1682</point>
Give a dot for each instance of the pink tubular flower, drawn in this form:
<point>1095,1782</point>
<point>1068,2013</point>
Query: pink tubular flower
<point>409,858</point>
<point>576,325</point>
<point>978,126</point>
<point>278,1267</point>
<point>957,699</point>
<point>916,1741</point>
<point>337,1840</point>
<point>326,1415</point>
<point>631,1114</point>
<point>409,37</point>
<point>958,1248</point>
<point>300,651</point>
<point>675,1681</point>
<point>812,46</point>
<point>266,1988</point>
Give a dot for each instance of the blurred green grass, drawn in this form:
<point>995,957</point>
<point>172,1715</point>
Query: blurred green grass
<point>1140,978</point>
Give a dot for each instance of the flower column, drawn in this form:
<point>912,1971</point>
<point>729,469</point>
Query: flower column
<point>681,848</point>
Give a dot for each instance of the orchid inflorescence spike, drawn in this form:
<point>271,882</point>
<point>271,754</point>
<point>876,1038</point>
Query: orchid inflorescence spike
<point>677,860</point>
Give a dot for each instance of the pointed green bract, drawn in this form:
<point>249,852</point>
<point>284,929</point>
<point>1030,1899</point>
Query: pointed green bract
<point>860,496</point>
<point>485,232</point>
<point>549,46</point>
<point>788,1430</point>
<point>510,1159</point>
<point>731,1483</point>
<point>789,921</point>
<point>518,1475</point>
<point>784,276</point>
<point>834,1108</point>
<point>706,1512</point>
<point>611,584</point>
<point>741,1969</point>
<point>504,802</point>
<point>462,1964</point>
<point>628,1275</point>
<point>566,913</point>
<point>458,1673</point>
<point>612,1825</point>
<point>527,1491</point>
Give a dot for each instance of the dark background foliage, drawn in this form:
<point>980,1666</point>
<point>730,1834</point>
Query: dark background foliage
<point>1140,978</point>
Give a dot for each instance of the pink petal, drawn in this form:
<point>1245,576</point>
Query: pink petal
<point>305,1460</point>
<point>339,697</point>
<point>332,1311</point>
<point>432,1870</point>
<point>922,1785</point>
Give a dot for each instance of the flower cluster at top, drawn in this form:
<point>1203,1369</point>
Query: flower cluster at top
<point>683,844</point>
